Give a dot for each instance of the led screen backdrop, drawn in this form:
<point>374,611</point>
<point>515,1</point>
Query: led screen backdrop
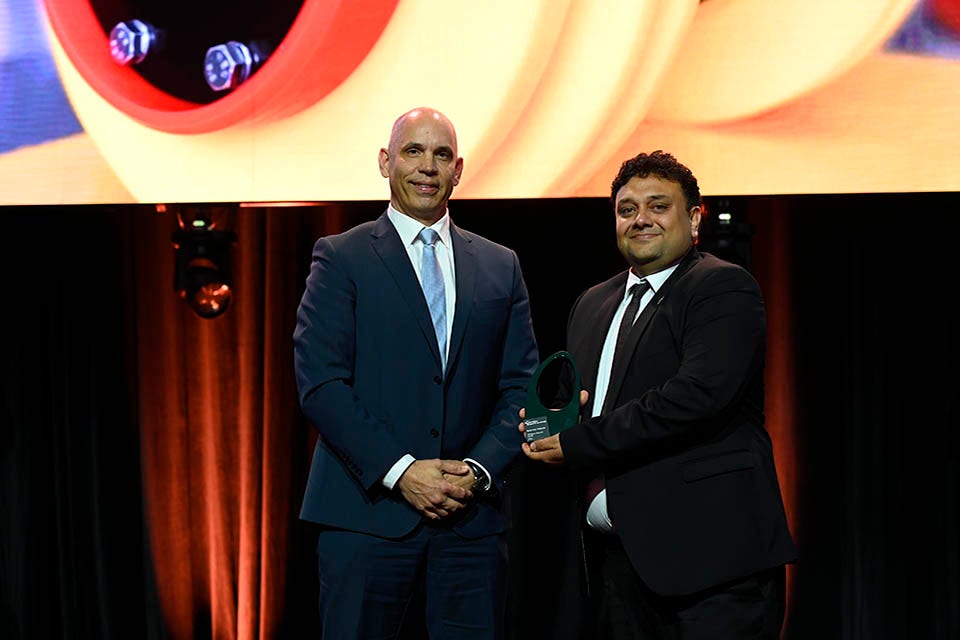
<point>548,96</point>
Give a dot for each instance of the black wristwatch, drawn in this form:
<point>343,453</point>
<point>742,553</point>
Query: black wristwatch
<point>481,481</point>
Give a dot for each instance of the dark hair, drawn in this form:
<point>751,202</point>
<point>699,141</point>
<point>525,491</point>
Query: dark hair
<point>660,164</point>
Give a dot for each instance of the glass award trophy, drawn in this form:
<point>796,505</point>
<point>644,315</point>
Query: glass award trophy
<point>553,397</point>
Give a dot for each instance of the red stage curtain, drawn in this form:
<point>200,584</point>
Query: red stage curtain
<point>771,252</point>
<point>220,427</point>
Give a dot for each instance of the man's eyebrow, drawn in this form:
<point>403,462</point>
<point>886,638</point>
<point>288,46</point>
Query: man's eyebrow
<point>444,148</point>
<point>652,196</point>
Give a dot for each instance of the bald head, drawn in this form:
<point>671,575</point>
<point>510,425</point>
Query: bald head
<point>422,164</point>
<point>418,115</point>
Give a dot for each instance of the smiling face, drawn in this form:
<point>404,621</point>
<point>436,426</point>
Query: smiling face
<point>421,164</point>
<point>654,227</point>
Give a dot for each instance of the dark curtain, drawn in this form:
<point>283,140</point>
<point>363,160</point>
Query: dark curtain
<point>877,422</point>
<point>73,558</point>
<point>153,462</point>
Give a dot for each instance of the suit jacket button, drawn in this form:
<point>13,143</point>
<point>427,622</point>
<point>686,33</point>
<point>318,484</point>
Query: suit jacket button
<point>434,433</point>
<point>437,379</point>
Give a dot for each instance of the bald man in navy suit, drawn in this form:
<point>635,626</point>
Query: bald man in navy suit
<point>413,350</point>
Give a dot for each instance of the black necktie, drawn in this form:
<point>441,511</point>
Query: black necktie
<point>626,323</point>
<point>595,486</point>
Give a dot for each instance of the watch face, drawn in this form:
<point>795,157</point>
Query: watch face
<point>480,480</point>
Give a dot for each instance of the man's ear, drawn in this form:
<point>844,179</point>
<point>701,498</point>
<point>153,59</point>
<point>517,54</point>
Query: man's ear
<point>695,215</point>
<point>457,171</point>
<point>384,163</point>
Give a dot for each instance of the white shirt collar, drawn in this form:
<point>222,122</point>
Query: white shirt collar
<point>409,229</point>
<point>655,280</point>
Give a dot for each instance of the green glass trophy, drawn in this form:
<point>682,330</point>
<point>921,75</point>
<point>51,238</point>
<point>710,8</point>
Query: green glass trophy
<point>547,417</point>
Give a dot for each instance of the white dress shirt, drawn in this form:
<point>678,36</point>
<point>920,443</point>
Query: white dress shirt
<point>409,230</point>
<point>597,515</point>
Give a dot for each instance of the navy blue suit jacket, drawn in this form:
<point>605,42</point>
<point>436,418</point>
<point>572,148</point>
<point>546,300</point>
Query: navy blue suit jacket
<point>370,379</point>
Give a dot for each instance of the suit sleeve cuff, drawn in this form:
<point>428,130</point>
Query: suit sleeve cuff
<point>390,479</point>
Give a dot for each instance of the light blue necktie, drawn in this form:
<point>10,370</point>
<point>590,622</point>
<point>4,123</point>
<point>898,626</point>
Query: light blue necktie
<point>431,279</point>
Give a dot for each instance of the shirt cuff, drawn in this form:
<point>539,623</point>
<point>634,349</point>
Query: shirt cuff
<point>482,468</point>
<point>598,517</point>
<point>390,480</point>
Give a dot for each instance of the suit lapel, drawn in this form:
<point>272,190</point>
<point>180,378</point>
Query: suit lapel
<point>622,362</point>
<point>595,339</point>
<point>465,266</point>
<point>387,244</point>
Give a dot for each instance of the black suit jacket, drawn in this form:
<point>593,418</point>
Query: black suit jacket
<point>691,485</point>
<point>370,378</point>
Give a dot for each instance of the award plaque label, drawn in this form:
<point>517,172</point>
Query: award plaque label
<point>542,421</point>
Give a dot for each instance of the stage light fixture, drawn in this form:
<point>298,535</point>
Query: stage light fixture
<point>725,233</point>
<point>202,273</point>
